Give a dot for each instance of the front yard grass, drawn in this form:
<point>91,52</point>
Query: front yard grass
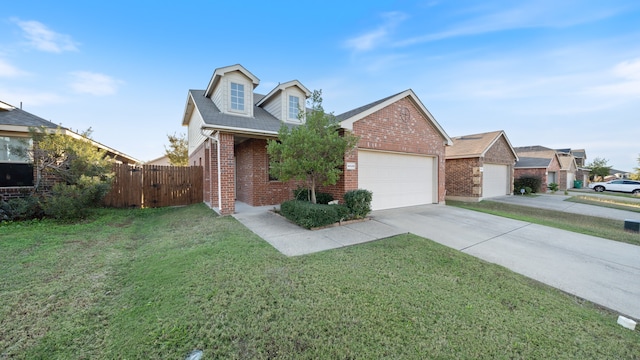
<point>609,202</point>
<point>584,224</point>
<point>159,283</point>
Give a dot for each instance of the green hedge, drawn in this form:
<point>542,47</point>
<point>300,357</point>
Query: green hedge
<point>358,202</point>
<point>310,215</point>
<point>534,184</point>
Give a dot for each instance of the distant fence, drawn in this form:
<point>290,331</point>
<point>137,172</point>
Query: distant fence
<point>154,186</point>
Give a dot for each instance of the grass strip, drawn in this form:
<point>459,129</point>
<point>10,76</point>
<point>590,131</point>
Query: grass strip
<point>613,203</point>
<point>158,283</point>
<point>584,224</point>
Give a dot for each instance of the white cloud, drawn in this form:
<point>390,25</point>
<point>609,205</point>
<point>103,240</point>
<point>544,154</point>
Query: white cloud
<point>628,85</point>
<point>85,82</point>
<point>374,38</point>
<point>9,71</point>
<point>45,39</point>
<point>544,14</point>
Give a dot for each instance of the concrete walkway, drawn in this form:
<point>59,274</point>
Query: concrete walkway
<point>602,271</point>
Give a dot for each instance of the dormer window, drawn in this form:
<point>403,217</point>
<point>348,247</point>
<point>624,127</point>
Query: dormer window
<point>294,107</point>
<point>237,97</point>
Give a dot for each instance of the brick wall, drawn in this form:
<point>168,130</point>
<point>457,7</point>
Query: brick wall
<point>253,184</point>
<point>401,127</point>
<point>461,180</point>
<point>518,173</point>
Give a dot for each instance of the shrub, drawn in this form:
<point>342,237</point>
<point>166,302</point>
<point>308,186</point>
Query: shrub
<point>553,187</point>
<point>69,202</point>
<point>18,209</point>
<point>532,182</point>
<point>358,202</point>
<point>310,215</point>
<point>304,194</point>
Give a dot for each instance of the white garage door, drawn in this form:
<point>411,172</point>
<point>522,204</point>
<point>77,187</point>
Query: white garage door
<point>495,180</point>
<point>396,180</point>
<point>570,178</point>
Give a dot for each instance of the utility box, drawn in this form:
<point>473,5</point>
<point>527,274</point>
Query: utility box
<point>632,225</point>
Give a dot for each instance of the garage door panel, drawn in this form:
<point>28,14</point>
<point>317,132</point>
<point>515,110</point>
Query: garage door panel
<point>396,180</point>
<point>495,180</point>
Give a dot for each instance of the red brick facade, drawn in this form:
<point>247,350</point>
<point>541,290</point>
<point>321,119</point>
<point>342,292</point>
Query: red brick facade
<point>542,173</point>
<point>400,127</point>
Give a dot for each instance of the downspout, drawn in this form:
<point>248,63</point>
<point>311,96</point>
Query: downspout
<point>215,138</point>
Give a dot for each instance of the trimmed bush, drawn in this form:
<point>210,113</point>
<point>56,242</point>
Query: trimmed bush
<point>310,215</point>
<point>358,202</point>
<point>553,187</point>
<point>524,182</point>
<point>304,194</point>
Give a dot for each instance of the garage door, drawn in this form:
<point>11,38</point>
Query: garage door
<point>495,180</point>
<point>396,180</point>
<point>570,178</point>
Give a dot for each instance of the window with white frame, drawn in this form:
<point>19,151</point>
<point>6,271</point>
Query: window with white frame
<point>237,97</point>
<point>294,107</point>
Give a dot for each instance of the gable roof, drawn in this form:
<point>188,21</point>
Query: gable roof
<point>347,119</point>
<point>12,116</point>
<point>567,162</point>
<point>282,87</point>
<point>532,162</point>
<point>219,72</point>
<point>18,120</point>
<point>262,121</point>
<point>475,145</point>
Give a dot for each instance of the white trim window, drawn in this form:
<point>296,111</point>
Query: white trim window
<point>237,97</point>
<point>294,107</point>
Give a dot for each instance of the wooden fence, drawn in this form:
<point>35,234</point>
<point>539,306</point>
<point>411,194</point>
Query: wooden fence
<point>154,186</point>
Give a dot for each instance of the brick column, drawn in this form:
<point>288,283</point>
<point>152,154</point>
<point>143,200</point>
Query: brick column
<point>227,174</point>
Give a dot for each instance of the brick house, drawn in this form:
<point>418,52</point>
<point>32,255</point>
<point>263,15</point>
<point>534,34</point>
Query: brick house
<point>17,174</point>
<point>480,166</point>
<point>541,162</point>
<point>400,154</point>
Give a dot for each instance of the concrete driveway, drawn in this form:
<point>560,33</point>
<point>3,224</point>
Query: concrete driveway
<point>602,271</point>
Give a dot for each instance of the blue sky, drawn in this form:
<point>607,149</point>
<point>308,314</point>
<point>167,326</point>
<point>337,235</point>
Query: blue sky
<point>553,73</point>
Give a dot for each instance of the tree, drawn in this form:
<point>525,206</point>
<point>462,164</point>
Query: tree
<point>178,153</point>
<point>313,151</point>
<point>598,168</point>
<point>81,170</point>
<point>636,175</point>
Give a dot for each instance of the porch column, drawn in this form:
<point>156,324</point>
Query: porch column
<point>226,168</point>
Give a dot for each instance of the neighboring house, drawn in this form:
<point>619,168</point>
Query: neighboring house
<point>17,173</point>
<point>580,157</point>
<point>541,162</point>
<point>162,161</point>
<point>400,154</point>
<point>480,166</point>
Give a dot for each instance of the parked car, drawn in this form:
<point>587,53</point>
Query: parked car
<point>628,186</point>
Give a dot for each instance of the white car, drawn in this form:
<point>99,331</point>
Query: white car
<point>628,186</point>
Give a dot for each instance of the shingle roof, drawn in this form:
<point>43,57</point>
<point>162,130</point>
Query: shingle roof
<point>566,160</point>
<point>532,162</point>
<point>261,121</point>
<point>351,113</point>
<point>19,117</point>
<point>471,145</point>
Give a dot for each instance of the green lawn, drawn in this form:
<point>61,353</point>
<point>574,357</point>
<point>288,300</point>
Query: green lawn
<point>158,283</point>
<point>609,202</point>
<point>584,224</point>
